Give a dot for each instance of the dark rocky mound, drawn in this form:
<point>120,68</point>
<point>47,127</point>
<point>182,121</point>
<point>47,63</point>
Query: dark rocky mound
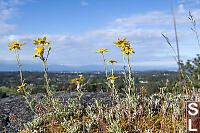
<point>19,107</point>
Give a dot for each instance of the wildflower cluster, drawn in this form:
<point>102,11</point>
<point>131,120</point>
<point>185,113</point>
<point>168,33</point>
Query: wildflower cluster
<point>126,50</point>
<point>132,113</point>
<point>16,46</point>
<point>40,49</point>
<point>125,46</point>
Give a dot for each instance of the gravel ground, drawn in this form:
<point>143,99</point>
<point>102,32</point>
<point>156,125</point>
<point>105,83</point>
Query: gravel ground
<point>19,107</point>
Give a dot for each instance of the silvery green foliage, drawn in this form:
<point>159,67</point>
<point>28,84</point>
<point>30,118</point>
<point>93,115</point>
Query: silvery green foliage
<point>91,114</point>
<point>148,131</point>
<point>70,126</point>
<point>114,128</point>
<point>34,125</point>
<point>88,126</point>
<point>162,102</point>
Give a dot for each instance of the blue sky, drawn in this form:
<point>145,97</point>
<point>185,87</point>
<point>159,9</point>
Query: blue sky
<point>77,28</point>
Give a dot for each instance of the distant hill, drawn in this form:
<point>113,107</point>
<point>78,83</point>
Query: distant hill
<point>84,68</point>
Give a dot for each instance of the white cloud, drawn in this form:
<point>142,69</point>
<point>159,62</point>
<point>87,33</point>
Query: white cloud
<point>8,10</point>
<point>83,3</point>
<point>79,49</point>
<point>5,28</point>
<point>155,18</point>
<point>190,1</point>
<point>143,30</point>
<point>181,9</point>
<point>156,63</point>
<point>196,14</point>
<point>10,3</point>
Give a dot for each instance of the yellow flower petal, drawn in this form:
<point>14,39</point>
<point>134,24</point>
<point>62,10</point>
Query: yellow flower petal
<point>112,61</point>
<point>44,38</point>
<point>102,50</point>
<point>40,50</point>
<point>21,87</point>
<point>112,78</point>
<point>41,41</point>
<point>77,80</point>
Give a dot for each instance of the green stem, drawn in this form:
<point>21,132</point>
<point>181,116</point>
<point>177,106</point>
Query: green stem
<point>46,77</point>
<point>26,97</point>
<point>50,96</point>
<point>124,69</point>
<point>20,68</point>
<point>112,69</point>
<point>22,82</point>
<point>130,79</point>
<point>104,63</point>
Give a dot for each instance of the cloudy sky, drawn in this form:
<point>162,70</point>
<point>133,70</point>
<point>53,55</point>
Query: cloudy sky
<point>77,28</point>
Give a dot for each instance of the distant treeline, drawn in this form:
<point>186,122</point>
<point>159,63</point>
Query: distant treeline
<point>94,81</point>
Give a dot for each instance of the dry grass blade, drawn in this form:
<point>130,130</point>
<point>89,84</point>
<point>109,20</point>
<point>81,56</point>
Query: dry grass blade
<point>194,28</point>
<point>177,43</point>
<point>168,42</point>
<point>167,39</point>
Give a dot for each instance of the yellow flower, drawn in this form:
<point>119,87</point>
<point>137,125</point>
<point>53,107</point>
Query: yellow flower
<point>102,50</point>
<point>41,41</point>
<point>77,80</point>
<point>119,42</point>
<point>21,87</point>
<point>112,61</point>
<point>15,45</point>
<point>128,51</point>
<point>40,50</point>
<point>126,44</point>
<point>112,78</point>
